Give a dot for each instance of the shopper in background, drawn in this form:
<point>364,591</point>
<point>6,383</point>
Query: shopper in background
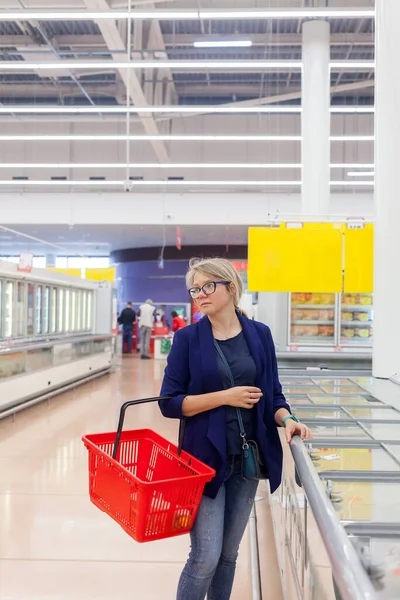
<point>146,314</point>
<point>127,319</point>
<point>178,322</point>
<point>220,370</point>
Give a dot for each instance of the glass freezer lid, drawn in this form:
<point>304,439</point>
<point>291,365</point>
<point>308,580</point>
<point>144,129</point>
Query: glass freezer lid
<point>301,390</point>
<point>320,413</point>
<point>384,555</point>
<point>354,459</point>
<point>345,400</point>
<point>361,501</point>
<point>384,431</point>
<point>294,400</point>
<point>344,431</point>
<point>291,381</point>
<point>337,382</point>
<point>371,412</point>
<point>341,389</point>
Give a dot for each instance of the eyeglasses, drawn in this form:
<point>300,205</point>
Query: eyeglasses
<point>207,289</point>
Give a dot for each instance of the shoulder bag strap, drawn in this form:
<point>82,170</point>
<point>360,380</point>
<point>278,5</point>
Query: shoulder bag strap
<point>232,381</point>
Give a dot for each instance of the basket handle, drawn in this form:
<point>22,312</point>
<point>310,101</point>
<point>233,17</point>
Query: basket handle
<point>122,417</point>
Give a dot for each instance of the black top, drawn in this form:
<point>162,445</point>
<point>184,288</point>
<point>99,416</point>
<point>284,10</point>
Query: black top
<point>127,316</point>
<point>243,367</point>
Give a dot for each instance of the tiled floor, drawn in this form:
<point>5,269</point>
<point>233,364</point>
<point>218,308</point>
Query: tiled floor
<point>54,544</point>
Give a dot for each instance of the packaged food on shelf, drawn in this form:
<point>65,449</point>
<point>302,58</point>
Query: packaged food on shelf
<point>297,315</point>
<point>298,298</point>
<point>327,299</point>
<point>347,316</point>
<point>326,315</point>
<point>312,299</point>
<point>326,331</point>
<point>348,332</point>
<point>361,316</point>
<point>362,333</point>
<point>366,300</point>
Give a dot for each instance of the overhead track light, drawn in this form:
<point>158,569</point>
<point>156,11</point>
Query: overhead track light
<point>38,109</point>
<point>179,182</point>
<point>11,65</point>
<point>144,138</point>
<point>361,174</point>
<point>224,44</point>
<point>22,65</point>
<point>173,138</point>
<point>175,166</point>
<point>171,15</point>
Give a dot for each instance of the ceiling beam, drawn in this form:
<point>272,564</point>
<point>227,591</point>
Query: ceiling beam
<point>114,41</point>
<point>274,39</point>
<point>83,41</point>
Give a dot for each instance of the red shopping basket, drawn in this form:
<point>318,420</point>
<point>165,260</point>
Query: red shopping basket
<point>144,482</point>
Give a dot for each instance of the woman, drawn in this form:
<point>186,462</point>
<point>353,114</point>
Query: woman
<point>199,384</point>
<point>177,321</point>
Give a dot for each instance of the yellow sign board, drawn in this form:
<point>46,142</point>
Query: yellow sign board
<point>359,260</point>
<point>307,258</point>
<point>107,274</point>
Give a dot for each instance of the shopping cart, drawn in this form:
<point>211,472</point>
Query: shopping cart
<point>143,482</point>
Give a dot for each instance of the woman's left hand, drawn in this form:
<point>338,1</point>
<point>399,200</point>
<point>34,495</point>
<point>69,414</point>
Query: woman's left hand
<point>292,428</point>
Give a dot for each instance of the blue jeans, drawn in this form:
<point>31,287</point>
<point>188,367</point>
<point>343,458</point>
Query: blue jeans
<point>127,337</point>
<point>216,537</point>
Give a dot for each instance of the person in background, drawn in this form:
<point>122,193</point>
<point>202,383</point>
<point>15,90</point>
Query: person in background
<point>146,314</point>
<point>127,319</point>
<point>161,315</point>
<point>178,322</point>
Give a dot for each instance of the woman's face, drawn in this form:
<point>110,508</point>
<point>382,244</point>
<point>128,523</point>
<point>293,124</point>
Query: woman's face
<point>215,303</point>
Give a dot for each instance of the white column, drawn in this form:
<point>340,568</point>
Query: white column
<point>386,355</point>
<point>316,118</point>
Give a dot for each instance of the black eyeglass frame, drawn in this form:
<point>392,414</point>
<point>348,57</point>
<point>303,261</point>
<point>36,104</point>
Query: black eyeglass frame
<point>198,290</point>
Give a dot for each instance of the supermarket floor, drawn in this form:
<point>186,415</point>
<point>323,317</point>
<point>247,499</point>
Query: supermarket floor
<point>55,545</point>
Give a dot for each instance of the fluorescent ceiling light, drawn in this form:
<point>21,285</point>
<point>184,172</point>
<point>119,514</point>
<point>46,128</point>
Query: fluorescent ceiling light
<point>38,109</point>
<point>355,64</point>
<point>352,183</point>
<point>150,166</point>
<point>361,174</point>
<point>168,182</point>
<point>184,182</point>
<point>352,166</point>
<point>352,110</point>
<point>352,138</point>
<point>175,166</point>
<point>224,44</point>
<point>144,138</point>
<point>168,15</point>
<point>11,65</point>
<point>174,138</point>
<point>63,110</point>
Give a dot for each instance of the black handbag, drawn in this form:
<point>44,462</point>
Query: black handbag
<point>252,466</point>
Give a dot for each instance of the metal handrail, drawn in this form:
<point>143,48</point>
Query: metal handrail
<point>348,572</point>
<point>13,349</point>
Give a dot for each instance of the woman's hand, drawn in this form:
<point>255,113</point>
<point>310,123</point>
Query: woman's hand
<point>292,428</point>
<point>242,396</point>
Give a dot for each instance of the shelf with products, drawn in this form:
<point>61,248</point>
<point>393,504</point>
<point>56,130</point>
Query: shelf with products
<point>312,319</point>
<point>356,319</point>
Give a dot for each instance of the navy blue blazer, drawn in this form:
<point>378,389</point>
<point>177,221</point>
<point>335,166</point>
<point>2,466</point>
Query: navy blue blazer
<point>192,369</point>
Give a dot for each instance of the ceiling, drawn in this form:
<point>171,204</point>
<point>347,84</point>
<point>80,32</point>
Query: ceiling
<point>27,42</point>
<point>100,240</point>
<point>35,41</point>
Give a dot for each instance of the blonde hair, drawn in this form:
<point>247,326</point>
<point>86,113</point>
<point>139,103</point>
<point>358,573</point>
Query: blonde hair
<point>220,269</point>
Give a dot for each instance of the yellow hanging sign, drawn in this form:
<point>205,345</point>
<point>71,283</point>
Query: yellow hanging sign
<point>288,258</point>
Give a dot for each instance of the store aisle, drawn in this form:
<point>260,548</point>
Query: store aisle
<point>55,545</point>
